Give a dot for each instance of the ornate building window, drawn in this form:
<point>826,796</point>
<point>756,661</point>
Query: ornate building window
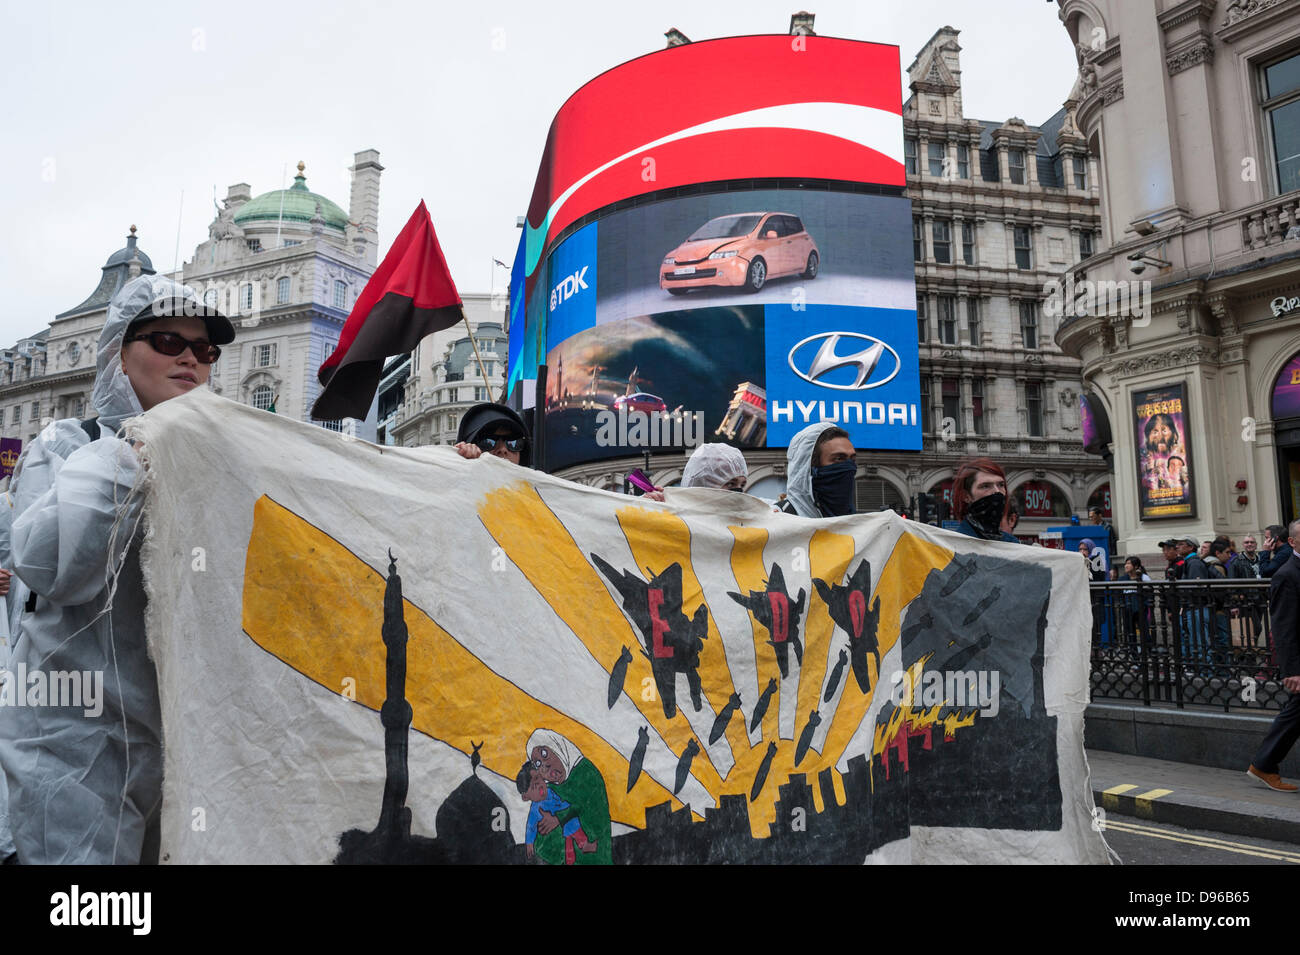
<point>968,243</point>
<point>1024,257</point>
<point>262,397</point>
<point>246,298</point>
<point>934,154</point>
<point>922,322</point>
<point>941,235</point>
<point>951,389</point>
<point>210,297</point>
<point>977,406</point>
<point>909,156</point>
<point>1081,173</point>
<point>973,320</point>
<point>254,245</point>
<point>16,416</point>
<point>1016,165</point>
<point>264,355</point>
<point>1034,408</point>
<point>1085,245</point>
<point>918,240</point>
<point>963,161</point>
<point>36,411</point>
<point>282,290</point>
<point>1281,82</point>
<point>1029,323</point>
<point>947,319</point>
<point>340,293</point>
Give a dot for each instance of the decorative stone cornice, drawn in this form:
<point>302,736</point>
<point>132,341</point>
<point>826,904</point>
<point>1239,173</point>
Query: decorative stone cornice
<point>1157,361</point>
<point>1243,17</point>
<point>1239,10</point>
<point>1112,93</point>
<point>1198,52</point>
<point>1107,53</point>
<point>1183,12</point>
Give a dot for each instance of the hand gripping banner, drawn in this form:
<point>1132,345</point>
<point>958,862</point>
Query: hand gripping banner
<point>376,654</point>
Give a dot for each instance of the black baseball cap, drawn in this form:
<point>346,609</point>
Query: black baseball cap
<point>220,331</point>
<point>1169,543</point>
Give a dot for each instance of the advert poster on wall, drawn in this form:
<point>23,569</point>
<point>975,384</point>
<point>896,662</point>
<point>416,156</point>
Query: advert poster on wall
<point>1163,452</point>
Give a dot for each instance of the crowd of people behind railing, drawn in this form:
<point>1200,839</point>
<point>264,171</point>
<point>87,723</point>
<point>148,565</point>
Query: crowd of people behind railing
<point>1213,625</point>
<point>1191,617</point>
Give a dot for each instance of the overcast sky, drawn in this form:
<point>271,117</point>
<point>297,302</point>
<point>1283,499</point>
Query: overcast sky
<point>112,111</point>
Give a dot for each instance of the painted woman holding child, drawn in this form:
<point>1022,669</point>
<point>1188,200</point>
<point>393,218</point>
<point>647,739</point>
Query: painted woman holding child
<point>568,822</point>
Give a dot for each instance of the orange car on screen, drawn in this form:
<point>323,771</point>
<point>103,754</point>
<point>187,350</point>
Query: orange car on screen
<point>741,251</point>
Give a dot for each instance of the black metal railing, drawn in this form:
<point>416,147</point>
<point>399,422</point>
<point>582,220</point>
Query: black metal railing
<point>1203,642</point>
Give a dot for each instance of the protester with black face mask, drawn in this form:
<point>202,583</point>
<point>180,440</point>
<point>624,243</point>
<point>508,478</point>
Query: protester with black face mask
<point>979,500</point>
<point>821,472</point>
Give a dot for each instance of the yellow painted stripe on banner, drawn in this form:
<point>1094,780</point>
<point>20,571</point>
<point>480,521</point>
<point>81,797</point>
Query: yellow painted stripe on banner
<point>548,556</point>
<point>829,556</point>
<point>454,696</point>
<point>658,539</point>
<point>750,571</point>
<point>897,584</point>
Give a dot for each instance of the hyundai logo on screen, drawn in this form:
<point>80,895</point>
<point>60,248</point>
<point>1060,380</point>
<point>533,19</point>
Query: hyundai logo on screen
<point>873,365</point>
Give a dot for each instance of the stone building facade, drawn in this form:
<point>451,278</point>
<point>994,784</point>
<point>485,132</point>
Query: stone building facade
<point>999,211</point>
<point>1193,108</point>
<point>444,378</point>
<point>285,266</point>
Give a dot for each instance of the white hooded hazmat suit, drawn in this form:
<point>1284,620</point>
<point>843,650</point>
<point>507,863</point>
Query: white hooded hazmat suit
<point>798,469</point>
<point>85,786</point>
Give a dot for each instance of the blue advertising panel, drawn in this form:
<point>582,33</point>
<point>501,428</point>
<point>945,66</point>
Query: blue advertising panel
<point>858,367</point>
<point>514,362</point>
<point>571,295</point>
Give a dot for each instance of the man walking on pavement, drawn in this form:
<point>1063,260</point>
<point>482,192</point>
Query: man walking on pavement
<point>1284,609</point>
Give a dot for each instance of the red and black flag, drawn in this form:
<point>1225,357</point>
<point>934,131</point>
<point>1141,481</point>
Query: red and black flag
<point>411,295</point>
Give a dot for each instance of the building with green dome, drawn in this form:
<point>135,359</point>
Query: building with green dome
<point>287,266</point>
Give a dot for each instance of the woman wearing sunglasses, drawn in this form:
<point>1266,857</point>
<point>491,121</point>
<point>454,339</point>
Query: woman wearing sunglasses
<point>86,786</point>
<point>494,429</point>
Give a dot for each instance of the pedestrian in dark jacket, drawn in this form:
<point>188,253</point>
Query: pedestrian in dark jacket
<point>1276,550</point>
<point>1284,607</point>
<point>1246,565</point>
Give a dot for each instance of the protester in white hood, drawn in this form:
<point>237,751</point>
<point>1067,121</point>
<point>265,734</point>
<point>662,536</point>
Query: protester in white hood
<point>716,465</point>
<point>85,781</point>
<point>821,468</point>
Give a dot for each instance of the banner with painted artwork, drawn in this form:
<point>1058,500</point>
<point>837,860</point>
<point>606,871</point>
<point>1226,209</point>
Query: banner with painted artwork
<point>378,654</point>
<point>1164,459</point>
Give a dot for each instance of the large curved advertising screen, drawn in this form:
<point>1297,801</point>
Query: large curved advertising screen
<point>745,309</point>
<point>733,108</point>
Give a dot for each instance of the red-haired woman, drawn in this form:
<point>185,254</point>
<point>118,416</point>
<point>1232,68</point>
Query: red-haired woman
<point>979,500</point>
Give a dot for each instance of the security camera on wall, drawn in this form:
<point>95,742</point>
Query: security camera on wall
<point>1138,267</point>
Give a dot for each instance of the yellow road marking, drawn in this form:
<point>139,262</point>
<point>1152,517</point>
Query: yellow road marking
<point>1204,842</point>
<point>1110,797</point>
<point>1142,802</point>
